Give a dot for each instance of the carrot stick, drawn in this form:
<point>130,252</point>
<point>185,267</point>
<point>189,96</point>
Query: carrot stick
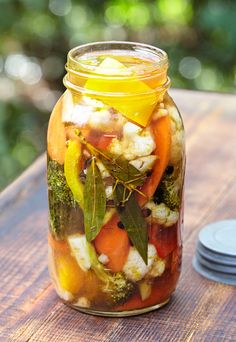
<point>113,242</point>
<point>58,246</point>
<point>56,137</point>
<point>162,135</point>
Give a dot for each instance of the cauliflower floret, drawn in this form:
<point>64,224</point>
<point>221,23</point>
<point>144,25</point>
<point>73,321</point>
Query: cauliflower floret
<point>131,129</point>
<point>92,102</point>
<point>176,147</point>
<point>158,268</point>
<point>109,191</point>
<point>116,147</point>
<point>135,268</point>
<point>177,140</point>
<point>64,294</point>
<point>144,164</point>
<point>101,120</point>
<point>160,111</point>
<point>80,249</point>
<point>78,114</point>
<point>163,215</point>
<point>136,142</point>
<point>139,146</point>
<point>83,302</point>
<point>89,111</point>
<point>103,258</point>
<point>102,169</point>
<point>175,117</point>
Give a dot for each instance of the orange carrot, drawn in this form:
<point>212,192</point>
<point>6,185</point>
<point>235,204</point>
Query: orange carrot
<point>162,135</point>
<point>113,242</point>
<point>56,134</point>
<point>58,246</point>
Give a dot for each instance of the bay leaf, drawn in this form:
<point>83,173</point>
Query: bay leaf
<point>121,169</point>
<point>132,218</point>
<point>117,166</point>
<point>94,201</point>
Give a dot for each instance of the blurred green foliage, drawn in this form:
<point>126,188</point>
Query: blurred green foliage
<point>35,36</point>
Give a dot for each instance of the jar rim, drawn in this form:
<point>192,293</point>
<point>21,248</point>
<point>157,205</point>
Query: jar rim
<point>158,57</point>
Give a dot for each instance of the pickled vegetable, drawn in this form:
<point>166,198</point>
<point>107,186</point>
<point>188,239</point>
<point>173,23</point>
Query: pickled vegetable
<point>115,178</point>
<point>137,111</point>
<point>72,162</point>
<point>56,137</point>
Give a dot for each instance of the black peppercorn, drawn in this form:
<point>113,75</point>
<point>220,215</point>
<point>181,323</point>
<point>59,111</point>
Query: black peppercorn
<point>120,225</point>
<point>146,212</point>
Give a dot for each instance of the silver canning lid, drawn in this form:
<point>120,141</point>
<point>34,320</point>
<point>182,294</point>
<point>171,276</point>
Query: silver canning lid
<point>228,279</point>
<point>215,266</point>
<point>215,256</point>
<point>220,237</point>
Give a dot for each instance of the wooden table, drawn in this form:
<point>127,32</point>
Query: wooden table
<point>200,310</point>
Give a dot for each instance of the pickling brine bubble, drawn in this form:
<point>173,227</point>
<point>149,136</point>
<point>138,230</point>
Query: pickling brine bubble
<point>115,181</point>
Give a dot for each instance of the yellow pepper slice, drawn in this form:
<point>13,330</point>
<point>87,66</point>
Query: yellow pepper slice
<point>71,169</point>
<point>70,276</point>
<point>137,109</point>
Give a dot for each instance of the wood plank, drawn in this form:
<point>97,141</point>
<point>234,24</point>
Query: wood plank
<point>200,310</point>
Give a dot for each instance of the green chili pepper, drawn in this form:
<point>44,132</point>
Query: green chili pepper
<point>71,169</point>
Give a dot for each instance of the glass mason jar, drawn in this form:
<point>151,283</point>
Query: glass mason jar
<point>115,181</point>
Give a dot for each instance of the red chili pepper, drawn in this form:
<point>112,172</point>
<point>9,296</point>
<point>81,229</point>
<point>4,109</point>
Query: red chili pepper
<point>163,238</point>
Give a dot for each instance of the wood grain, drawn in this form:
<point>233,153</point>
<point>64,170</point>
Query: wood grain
<point>200,310</point>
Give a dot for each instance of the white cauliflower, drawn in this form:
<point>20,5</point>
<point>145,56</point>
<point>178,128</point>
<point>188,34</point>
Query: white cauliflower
<point>176,147</point>
<point>89,111</point>
<point>93,103</point>
<point>139,146</point>
<point>162,214</point>
<point>143,164</point>
<point>116,147</point>
<point>109,191</point>
<point>103,258</point>
<point>177,140</point>
<point>64,294</point>
<point>135,268</point>
<point>76,113</point>
<point>160,111</point>
<point>136,142</point>
<point>130,129</point>
<point>158,268</point>
<point>80,249</point>
<point>100,120</point>
<point>102,169</point>
<point>83,302</point>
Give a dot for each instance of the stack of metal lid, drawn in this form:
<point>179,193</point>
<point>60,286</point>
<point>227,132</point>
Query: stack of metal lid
<point>215,256</point>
